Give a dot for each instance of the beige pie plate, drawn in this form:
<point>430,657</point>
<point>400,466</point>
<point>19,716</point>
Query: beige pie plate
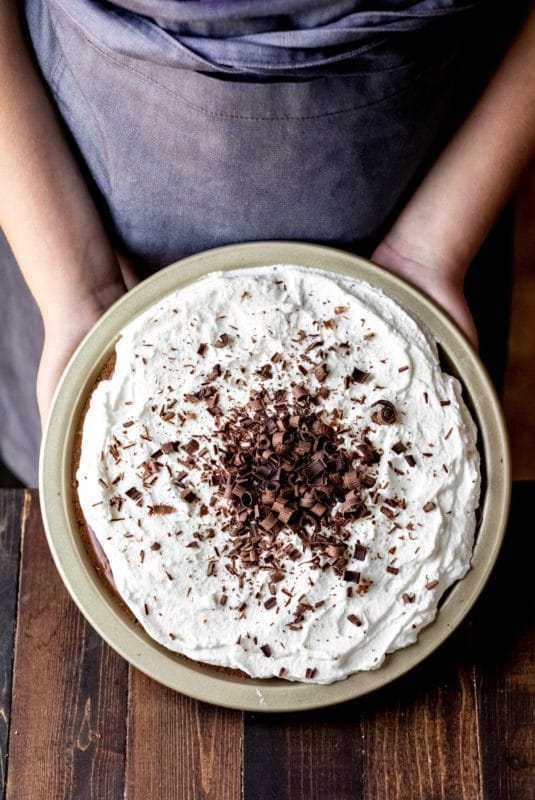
<point>127,637</point>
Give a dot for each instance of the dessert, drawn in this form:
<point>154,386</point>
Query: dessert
<point>281,477</point>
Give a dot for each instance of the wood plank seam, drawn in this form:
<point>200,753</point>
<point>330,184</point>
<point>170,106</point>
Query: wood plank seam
<point>477,709</point>
<point>127,749</point>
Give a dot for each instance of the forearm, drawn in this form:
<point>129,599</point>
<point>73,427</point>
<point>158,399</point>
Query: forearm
<point>449,215</point>
<point>46,210</point>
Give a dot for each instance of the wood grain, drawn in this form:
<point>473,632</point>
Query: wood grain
<point>505,640</point>
<point>68,723</point>
<point>420,734</point>
<point>179,748</point>
<point>12,518</point>
<point>414,740</point>
<point>311,756</point>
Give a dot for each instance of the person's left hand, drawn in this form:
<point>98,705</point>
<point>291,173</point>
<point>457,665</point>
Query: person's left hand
<point>438,280</point>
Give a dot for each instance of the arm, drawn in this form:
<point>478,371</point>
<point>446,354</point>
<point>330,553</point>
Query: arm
<point>441,228</point>
<point>46,211</point>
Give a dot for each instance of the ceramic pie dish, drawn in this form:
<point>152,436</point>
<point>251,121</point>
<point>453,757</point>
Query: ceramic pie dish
<point>94,598</point>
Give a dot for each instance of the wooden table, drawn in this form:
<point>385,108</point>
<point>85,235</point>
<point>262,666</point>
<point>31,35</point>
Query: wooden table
<point>76,721</point>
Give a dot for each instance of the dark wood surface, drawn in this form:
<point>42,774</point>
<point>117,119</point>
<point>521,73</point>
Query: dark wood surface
<point>76,721</point>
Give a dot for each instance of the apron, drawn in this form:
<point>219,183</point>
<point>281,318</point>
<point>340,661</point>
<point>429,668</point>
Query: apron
<point>206,123</point>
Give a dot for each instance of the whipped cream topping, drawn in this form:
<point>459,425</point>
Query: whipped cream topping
<point>152,472</point>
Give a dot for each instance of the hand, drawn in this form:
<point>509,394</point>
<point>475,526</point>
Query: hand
<point>66,326</point>
<point>439,280</point>
<point>61,340</point>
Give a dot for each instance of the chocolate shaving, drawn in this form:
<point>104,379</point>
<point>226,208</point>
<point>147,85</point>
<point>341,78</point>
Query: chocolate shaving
<point>360,552</point>
<point>161,509</point>
<point>266,649</point>
<point>222,341</point>
<point>321,372</point>
<point>359,375</point>
<point>135,495</point>
<point>354,619</point>
<point>429,506</point>
<point>189,496</point>
<point>399,448</point>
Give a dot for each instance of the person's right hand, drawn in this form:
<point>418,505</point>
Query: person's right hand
<point>65,327</point>
<point>62,337</point>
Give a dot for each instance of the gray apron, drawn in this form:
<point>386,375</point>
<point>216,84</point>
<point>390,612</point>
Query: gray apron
<point>314,128</point>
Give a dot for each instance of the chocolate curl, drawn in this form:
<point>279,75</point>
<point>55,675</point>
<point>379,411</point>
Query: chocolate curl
<point>303,447</point>
<point>278,505</point>
<point>314,470</point>
<point>307,500</point>
<point>244,495</point>
<point>330,448</point>
<point>280,439</point>
<point>300,393</point>
<point>318,509</point>
<point>321,372</point>
<point>337,464</point>
<point>268,522</point>
<point>386,415</point>
<point>366,452</point>
<point>295,421</point>
<point>335,550</point>
<point>351,479</point>
<point>263,442</point>
<point>288,515</point>
<point>270,426</point>
<point>320,428</point>
<point>265,471</point>
<point>352,505</point>
<point>255,404</point>
<point>268,496</point>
